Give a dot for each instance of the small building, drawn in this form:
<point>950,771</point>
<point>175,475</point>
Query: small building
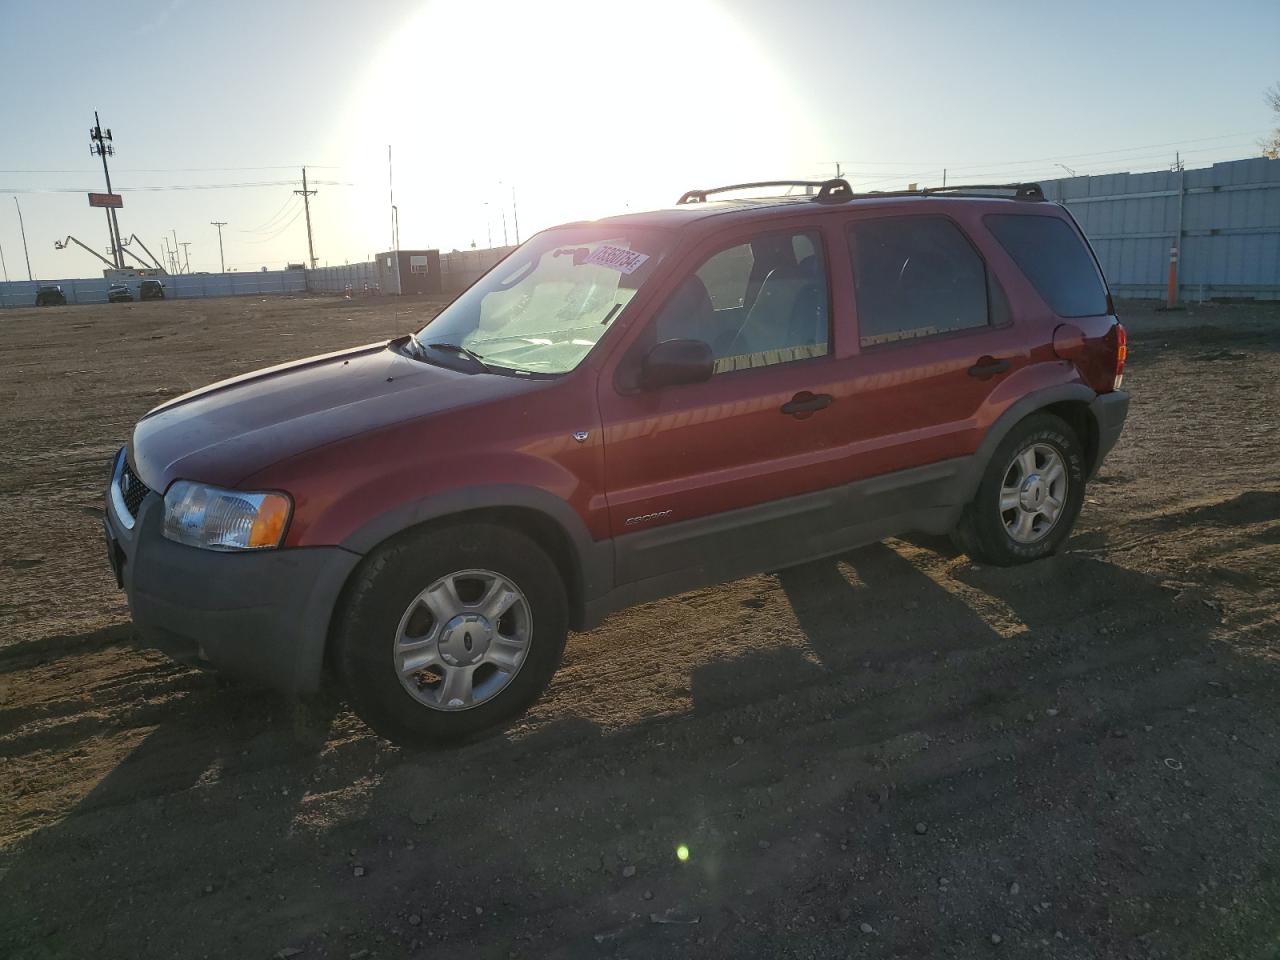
<point>409,272</point>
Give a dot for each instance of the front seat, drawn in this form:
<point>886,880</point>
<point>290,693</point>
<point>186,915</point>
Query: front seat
<point>790,311</point>
<point>688,315</point>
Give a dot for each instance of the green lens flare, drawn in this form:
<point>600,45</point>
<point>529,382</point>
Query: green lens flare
<point>682,853</point>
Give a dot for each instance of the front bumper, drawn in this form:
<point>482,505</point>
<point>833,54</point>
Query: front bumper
<point>1109,412</point>
<point>262,615</point>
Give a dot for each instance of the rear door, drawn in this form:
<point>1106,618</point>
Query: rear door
<point>694,473</point>
<point>935,342</point>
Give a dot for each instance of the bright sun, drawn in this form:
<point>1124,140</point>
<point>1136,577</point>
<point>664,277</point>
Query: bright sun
<point>586,108</point>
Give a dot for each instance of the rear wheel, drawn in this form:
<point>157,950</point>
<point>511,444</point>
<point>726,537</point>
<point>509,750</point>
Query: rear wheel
<point>1029,496</point>
<point>450,631</point>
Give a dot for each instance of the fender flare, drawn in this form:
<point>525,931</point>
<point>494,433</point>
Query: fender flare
<point>1018,411</point>
<point>592,560</point>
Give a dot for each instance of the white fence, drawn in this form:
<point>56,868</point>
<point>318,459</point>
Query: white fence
<point>1225,219</point>
<point>361,277</point>
<point>22,293</point>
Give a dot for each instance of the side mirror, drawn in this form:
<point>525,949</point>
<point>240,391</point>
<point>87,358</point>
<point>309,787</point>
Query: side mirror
<point>674,362</point>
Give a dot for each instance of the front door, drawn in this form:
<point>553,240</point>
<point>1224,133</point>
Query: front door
<point>695,473</point>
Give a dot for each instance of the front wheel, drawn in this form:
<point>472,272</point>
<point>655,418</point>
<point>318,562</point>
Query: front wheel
<point>450,631</point>
<point>1029,496</point>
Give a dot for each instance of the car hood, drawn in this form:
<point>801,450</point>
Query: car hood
<point>230,430</point>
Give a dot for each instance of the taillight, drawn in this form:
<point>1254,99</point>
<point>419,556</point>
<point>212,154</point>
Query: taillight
<point>1122,354</point>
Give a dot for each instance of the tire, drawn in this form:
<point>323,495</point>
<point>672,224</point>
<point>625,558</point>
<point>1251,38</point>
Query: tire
<point>389,621</point>
<point>1004,538</point>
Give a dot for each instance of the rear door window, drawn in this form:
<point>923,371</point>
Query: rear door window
<point>915,277</point>
<point>1056,261</point>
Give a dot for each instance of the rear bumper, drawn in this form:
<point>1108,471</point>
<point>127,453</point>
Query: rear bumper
<point>1109,411</point>
<point>262,615</point>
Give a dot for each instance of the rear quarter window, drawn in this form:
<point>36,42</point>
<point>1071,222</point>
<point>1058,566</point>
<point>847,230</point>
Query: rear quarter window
<point>1056,261</point>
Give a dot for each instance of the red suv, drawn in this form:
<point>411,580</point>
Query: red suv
<point>619,411</point>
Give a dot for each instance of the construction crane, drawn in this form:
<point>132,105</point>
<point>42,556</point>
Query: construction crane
<point>63,244</point>
<point>132,238</point>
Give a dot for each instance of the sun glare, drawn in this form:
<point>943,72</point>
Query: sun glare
<point>585,108</point>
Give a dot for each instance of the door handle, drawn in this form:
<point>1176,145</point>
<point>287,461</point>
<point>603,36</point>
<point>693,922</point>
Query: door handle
<point>805,403</point>
<point>988,367</point>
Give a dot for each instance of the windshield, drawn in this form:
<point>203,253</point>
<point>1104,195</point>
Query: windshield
<point>543,308</point>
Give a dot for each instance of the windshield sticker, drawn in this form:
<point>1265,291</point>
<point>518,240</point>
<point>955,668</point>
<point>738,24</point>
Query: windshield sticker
<point>617,258</point>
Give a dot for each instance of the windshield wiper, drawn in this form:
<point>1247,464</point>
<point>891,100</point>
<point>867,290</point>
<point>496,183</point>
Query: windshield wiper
<point>461,350</point>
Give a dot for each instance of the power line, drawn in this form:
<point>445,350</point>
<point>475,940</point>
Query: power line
<point>179,186</point>
<point>271,221</point>
<point>1062,156</point>
<point>1087,167</point>
<point>273,236</point>
<point>998,169</point>
<point>291,166</point>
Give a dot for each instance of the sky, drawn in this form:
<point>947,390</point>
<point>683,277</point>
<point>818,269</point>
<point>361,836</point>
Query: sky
<point>499,112</point>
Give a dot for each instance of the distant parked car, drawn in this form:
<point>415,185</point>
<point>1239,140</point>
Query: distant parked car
<point>50,295</point>
<point>151,290</point>
<point>119,293</point>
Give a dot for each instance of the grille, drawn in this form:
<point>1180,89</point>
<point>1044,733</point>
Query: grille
<point>132,490</point>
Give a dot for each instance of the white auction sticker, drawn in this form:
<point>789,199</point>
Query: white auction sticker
<point>617,258</point>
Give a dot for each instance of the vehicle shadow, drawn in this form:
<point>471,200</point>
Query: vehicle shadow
<point>232,830</point>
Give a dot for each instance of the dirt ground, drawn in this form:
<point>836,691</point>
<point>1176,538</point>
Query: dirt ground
<point>894,754</point>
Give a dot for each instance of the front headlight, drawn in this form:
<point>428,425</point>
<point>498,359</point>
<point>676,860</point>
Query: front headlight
<point>217,519</point>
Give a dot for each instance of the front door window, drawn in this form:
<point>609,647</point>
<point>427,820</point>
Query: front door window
<point>755,304</point>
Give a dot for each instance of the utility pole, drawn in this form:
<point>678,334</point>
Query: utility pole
<point>177,264</point>
<point>1175,248</point>
<point>4,265</point>
<point>186,244</point>
<point>23,228</point>
<point>306,205</point>
<point>395,244</point>
<point>515,213</point>
<point>391,196</point>
<point>100,145</point>
<point>220,224</point>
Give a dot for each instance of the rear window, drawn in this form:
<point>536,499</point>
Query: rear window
<point>1055,260</point>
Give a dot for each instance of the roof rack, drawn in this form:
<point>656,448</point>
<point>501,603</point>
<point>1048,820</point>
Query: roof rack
<point>839,191</point>
<point>1021,191</point>
<point>829,191</point>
